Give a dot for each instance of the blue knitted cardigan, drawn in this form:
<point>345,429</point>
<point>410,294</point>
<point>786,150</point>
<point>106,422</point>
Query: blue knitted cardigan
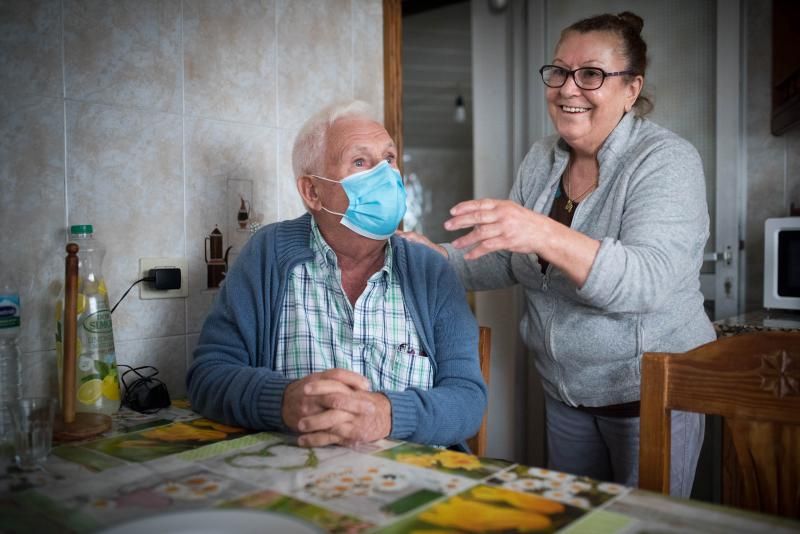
<point>232,378</point>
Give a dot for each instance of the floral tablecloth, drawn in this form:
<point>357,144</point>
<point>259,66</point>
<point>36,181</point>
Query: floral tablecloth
<point>176,461</point>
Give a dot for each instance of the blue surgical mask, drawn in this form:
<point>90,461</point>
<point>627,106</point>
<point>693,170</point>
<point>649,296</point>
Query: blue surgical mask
<point>377,201</point>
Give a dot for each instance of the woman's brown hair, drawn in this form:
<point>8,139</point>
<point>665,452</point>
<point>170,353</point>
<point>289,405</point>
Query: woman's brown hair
<point>628,27</point>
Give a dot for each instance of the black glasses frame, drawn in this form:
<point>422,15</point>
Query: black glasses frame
<point>574,79</point>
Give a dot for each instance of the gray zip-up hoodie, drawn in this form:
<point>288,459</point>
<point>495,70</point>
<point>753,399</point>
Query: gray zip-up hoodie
<point>643,294</point>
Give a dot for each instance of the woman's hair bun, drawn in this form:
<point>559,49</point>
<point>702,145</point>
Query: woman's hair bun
<point>632,20</point>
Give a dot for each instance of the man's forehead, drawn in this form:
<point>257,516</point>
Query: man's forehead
<point>358,135</point>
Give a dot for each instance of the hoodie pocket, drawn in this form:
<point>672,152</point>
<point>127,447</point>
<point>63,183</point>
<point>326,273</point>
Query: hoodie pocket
<point>590,339</point>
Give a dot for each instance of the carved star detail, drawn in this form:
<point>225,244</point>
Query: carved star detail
<point>779,374</point>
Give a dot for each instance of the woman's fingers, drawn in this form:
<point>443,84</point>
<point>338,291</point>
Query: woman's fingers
<point>496,225</point>
<point>421,239</point>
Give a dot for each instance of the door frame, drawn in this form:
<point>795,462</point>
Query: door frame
<point>393,73</point>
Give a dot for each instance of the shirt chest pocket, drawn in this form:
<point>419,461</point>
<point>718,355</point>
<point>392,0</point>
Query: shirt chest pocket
<point>402,366</point>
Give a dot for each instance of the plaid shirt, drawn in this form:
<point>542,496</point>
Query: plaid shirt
<point>320,329</point>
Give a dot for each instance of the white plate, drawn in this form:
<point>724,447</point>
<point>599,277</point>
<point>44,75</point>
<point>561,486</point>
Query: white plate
<point>216,521</point>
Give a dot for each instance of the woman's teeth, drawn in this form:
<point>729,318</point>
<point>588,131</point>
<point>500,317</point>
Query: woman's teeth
<point>570,109</point>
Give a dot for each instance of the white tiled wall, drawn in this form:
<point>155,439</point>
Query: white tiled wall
<point>147,118</point>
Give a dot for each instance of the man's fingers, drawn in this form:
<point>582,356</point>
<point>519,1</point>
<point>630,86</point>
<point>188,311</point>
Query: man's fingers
<point>319,439</point>
<point>349,378</point>
<point>323,421</point>
<point>326,387</point>
<point>348,403</point>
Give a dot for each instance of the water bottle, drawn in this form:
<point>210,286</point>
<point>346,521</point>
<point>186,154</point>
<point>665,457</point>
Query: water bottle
<point>10,370</point>
<point>97,380</point>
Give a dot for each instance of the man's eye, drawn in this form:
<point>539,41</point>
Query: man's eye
<point>358,163</point>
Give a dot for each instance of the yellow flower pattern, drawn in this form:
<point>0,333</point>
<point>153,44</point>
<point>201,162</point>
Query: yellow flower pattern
<point>472,516</point>
<point>457,460</point>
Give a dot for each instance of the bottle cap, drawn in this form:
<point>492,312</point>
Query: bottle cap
<point>81,229</point>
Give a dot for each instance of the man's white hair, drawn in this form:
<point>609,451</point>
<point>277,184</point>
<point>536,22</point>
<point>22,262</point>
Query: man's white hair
<point>309,148</point>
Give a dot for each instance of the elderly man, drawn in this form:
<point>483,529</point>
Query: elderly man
<point>328,326</point>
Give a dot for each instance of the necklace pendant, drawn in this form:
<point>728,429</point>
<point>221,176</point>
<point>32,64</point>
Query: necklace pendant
<point>568,205</point>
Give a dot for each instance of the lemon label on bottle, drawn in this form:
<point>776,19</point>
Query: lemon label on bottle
<point>90,391</point>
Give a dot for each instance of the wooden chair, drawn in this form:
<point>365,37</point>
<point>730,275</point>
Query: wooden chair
<point>753,382</point>
<point>477,443</point>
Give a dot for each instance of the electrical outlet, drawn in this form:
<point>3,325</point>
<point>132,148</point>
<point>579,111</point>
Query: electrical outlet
<point>146,289</point>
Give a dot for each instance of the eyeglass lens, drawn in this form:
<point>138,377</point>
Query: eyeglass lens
<point>585,77</point>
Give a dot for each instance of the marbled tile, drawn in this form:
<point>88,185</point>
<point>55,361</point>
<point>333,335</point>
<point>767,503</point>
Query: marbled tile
<point>223,158</point>
<point>315,57</point>
<point>289,203</point>
<point>124,177</point>
<point>167,354</point>
<point>39,374</point>
<point>793,168</point>
<point>125,52</point>
<point>30,47</point>
<point>191,344</point>
<point>229,58</point>
<point>368,53</point>
<point>765,154</point>
<point>32,209</point>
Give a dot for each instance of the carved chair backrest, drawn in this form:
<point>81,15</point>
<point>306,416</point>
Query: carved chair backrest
<point>753,382</point>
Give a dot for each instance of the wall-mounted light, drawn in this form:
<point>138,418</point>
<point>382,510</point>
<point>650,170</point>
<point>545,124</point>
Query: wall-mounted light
<point>460,114</point>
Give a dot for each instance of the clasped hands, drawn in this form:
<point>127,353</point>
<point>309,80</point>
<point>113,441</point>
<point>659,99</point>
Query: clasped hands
<point>335,407</point>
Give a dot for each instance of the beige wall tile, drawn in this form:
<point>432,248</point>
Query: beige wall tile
<point>368,52</point>
<point>165,354</point>
<point>315,57</point>
<point>223,160</point>
<point>191,344</point>
<point>40,374</point>
<point>32,209</point>
<point>125,52</point>
<point>229,55</point>
<point>793,168</point>
<point>124,177</point>
<point>30,47</point>
<point>149,188</point>
<point>290,204</point>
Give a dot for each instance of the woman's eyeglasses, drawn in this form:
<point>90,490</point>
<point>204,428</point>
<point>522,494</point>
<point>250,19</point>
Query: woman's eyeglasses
<point>588,78</point>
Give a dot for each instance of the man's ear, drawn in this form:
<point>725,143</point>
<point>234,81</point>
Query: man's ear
<point>308,192</point>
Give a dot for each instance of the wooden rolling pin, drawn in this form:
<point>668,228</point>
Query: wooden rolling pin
<point>70,333</point>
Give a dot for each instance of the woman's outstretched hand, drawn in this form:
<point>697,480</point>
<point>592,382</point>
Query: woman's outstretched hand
<point>419,238</point>
<point>496,225</point>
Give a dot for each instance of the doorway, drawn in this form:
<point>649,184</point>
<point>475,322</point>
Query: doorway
<point>436,113</point>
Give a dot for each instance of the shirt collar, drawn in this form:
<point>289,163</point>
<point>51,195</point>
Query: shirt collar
<point>325,257</point>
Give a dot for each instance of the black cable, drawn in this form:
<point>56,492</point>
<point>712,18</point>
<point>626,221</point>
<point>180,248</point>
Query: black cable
<point>145,279</point>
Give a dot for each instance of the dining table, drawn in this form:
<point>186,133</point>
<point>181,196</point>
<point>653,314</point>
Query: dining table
<point>176,471</point>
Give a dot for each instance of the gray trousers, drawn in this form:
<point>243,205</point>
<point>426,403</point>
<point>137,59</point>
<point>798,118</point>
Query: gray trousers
<point>607,448</point>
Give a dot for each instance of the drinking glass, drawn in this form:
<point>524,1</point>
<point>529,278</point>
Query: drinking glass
<point>33,430</point>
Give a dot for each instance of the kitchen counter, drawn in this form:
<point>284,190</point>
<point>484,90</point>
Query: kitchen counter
<point>759,320</point>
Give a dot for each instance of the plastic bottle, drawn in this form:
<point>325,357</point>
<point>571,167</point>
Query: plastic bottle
<point>97,380</point>
<point>10,370</point>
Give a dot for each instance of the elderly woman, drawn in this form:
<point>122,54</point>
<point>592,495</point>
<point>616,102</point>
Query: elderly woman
<point>605,230</point>
<point>330,327</point>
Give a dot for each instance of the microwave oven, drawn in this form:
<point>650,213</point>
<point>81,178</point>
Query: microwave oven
<point>782,263</point>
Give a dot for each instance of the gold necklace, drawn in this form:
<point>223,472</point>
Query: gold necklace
<point>569,205</point>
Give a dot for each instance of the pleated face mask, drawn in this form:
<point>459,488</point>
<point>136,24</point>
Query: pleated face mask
<point>377,201</point>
